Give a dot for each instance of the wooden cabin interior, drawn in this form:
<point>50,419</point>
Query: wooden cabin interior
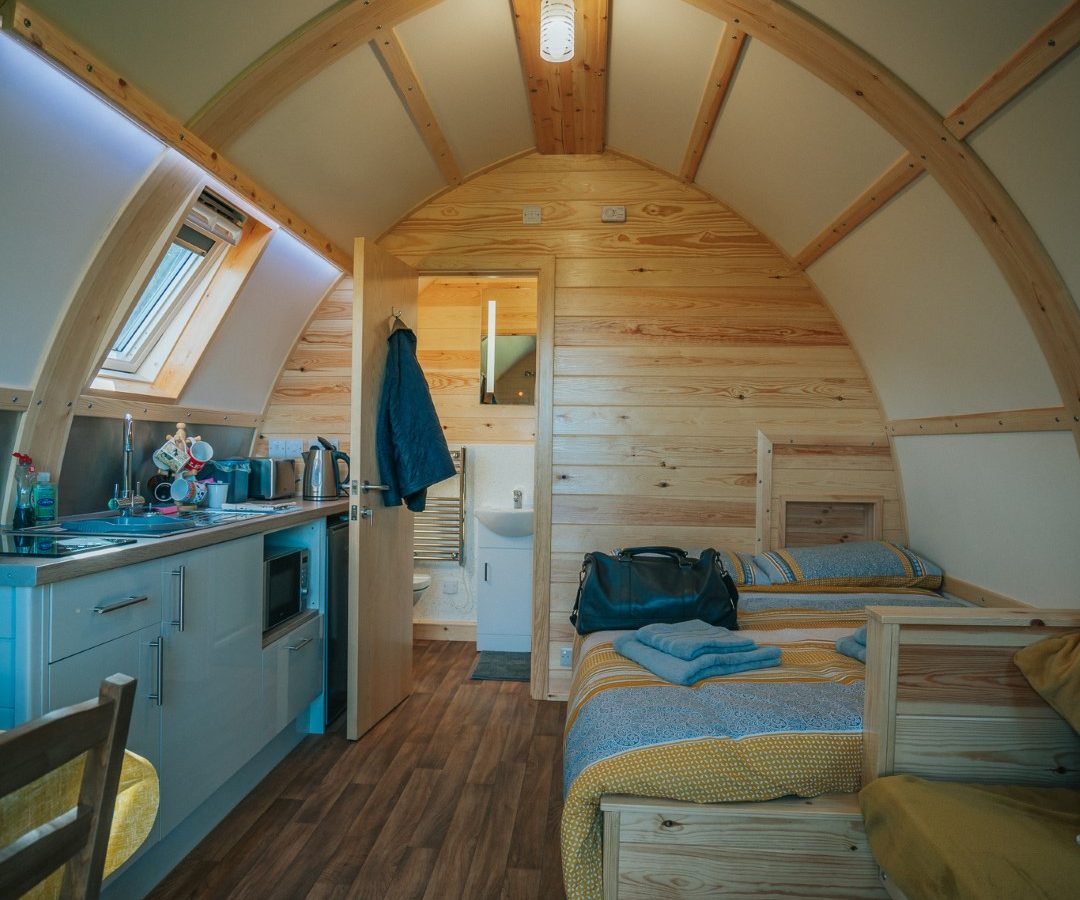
<point>761,274</point>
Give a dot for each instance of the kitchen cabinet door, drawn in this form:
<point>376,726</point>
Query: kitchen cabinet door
<point>211,722</point>
<point>77,679</point>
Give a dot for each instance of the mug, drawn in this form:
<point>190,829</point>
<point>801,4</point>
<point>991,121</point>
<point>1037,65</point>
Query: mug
<point>171,457</point>
<point>199,454</point>
<point>187,490</point>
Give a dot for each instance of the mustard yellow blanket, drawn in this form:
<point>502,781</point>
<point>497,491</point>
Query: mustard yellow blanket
<point>757,735</point>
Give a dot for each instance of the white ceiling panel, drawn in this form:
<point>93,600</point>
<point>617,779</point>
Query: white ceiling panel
<point>465,55</point>
<point>180,53</point>
<point>661,53</point>
<point>789,152</point>
<point>261,327</point>
<point>69,165</point>
<point>342,151</point>
<point>944,49</point>
<point>937,327</point>
<point>1033,146</point>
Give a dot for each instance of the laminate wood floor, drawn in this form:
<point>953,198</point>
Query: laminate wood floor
<point>457,793</point>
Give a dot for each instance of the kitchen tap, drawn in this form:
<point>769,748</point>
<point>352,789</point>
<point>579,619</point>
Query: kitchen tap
<point>517,498</point>
<point>129,498</point>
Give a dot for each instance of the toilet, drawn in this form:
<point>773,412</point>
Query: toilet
<point>420,583</point>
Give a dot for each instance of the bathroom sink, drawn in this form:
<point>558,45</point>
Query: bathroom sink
<point>507,522</point>
<point>148,525</point>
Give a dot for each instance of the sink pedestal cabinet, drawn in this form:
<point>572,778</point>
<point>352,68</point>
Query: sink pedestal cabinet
<point>211,701</point>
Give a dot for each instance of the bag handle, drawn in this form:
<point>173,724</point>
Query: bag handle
<point>674,553</point>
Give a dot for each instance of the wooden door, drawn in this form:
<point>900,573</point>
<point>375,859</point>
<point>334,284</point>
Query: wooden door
<point>381,544</point>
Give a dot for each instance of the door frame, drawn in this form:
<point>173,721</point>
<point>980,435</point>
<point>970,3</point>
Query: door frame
<point>541,267</point>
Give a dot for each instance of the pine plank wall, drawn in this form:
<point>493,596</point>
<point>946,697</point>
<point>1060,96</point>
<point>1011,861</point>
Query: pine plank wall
<point>679,336</point>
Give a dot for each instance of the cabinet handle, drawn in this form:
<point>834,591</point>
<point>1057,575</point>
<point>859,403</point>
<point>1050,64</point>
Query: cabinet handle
<point>179,572</point>
<point>158,695</point>
<point>299,646</point>
<point>120,604</point>
<point>485,571</point>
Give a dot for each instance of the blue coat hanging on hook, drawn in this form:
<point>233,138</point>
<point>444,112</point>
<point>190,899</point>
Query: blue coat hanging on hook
<point>409,442</point>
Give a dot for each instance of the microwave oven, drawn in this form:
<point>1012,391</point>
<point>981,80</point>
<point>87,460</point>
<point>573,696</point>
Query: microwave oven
<point>286,578</point>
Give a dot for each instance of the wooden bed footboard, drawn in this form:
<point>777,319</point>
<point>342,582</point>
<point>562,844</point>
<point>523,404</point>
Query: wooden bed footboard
<point>945,701</point>
<point>778,848</point>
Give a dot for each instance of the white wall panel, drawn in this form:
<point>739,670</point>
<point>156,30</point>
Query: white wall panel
<point>944,49</point>
<point>465,56</point>
<point>181,53</point>
<point>342,151</point>
<point>999,510</point>
<point>1033,146</point>
<point>661,52</point>
<point>789,152</point>
<point>241,365</point>
<point>937,327</point>
<point>68,165</point>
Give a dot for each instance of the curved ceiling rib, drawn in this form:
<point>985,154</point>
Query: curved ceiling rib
<point>1024,262</point>
<point>294,60</point>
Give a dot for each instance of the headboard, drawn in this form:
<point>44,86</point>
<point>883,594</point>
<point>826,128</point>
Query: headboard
<point>944,699</point>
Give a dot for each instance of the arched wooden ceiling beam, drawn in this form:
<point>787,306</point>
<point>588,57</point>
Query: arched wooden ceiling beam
<point>1051,44</point>
<point>25,23</point>
<point>1010,239</point>
<point>401,73</point>
<point>721,76</point>
<point>102,301</point>
<point>294,60</point>
<point>568,101</point>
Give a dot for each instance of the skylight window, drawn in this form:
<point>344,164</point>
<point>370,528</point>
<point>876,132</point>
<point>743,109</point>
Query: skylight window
<point>193,255</point>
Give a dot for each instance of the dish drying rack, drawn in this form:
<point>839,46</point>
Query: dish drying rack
<point>439,531</point>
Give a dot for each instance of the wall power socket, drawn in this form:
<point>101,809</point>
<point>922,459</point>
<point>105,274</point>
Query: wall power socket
<point>564,657</point>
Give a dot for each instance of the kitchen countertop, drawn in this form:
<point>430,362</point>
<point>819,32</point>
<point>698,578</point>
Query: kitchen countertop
<point>32,571</point>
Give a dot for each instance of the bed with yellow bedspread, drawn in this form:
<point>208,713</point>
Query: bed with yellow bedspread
<point>791,730</point>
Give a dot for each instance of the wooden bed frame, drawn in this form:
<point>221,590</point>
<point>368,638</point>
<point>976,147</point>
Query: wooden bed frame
<point>943,700</point>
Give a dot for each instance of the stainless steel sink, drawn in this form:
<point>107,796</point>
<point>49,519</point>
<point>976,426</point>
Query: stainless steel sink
<point>156,524</point>
<point>149,525</point>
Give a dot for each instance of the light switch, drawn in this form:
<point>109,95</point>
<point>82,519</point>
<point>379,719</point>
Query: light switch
<point>612,213</point>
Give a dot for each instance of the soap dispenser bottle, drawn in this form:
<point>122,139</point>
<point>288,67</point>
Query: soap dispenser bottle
<point>44,500</point>
<point>24,482</point>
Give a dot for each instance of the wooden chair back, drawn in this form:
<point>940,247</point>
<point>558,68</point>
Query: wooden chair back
<point>78,838</point>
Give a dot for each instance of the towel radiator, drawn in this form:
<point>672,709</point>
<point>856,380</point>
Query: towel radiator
<point>439,531</point>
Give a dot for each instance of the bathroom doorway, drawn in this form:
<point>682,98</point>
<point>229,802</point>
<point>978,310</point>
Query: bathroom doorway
<point>484,338</point>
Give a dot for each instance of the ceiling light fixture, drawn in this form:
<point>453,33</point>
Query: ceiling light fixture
<point>557,30</point>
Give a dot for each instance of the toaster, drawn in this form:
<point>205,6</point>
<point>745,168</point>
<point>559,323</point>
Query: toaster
<point>272,478</point>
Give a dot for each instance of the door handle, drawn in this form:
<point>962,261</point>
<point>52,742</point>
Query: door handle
<point>180,573</point>
<point>120,604</point>
<point>158,695</point>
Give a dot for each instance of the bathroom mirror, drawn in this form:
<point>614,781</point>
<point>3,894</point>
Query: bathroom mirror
<point>507,357</point>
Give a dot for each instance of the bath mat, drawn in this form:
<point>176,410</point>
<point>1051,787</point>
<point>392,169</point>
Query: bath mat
<point>501,665</point>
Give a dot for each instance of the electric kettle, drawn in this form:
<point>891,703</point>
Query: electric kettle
<point>322,473</point>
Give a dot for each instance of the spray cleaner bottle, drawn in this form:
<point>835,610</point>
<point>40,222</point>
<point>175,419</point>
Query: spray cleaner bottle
<point>24,484</point>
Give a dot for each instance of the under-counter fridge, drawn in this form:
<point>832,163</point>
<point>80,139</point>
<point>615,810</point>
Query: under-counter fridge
<point>337,616</point>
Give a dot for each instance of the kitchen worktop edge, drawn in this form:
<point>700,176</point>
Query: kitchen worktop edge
<point>36,571</point>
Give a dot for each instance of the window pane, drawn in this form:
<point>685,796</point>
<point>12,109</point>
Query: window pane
<point>172,272</point>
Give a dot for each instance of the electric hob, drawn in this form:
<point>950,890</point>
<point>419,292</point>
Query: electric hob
<point>54,545</point>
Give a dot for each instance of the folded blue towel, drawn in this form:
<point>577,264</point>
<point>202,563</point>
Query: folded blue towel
<point>689,640</point>
<point>691,671</point>
<point>853,645</point>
